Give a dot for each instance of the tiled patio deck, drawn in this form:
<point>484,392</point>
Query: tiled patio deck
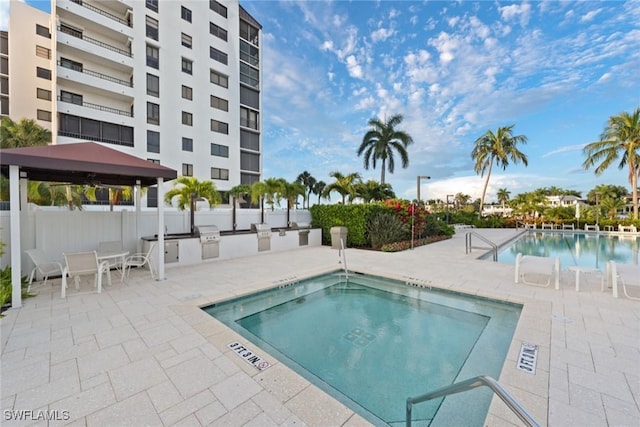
<point>144,354</point>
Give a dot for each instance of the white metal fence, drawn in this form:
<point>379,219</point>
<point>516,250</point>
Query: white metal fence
<point>60,230</point>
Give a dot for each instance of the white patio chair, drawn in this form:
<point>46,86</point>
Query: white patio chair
<point>43,266</point>
<point>140,260</point>
<point>83,264</point>
<point>627,275</point>
<point>538,266</point>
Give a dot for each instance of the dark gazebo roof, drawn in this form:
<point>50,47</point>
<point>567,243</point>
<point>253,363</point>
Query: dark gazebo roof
<point>83,163</point>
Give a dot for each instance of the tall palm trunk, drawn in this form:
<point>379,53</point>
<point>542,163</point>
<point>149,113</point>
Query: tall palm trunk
<point>384,166</point>
<point>634,191</point>
<point>484,189</point>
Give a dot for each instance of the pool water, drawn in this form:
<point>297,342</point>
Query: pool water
<point>373,342</point>
<point>579,249</point>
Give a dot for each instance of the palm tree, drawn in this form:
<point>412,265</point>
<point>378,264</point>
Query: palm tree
<point>269,191</point>
<point>308,181</point>
<point>318,189</point>
<point>462,199</point>
<point>25,133</point>
<point>380,142</point>
<point>611,205</point>
<point>499,147</point>
<point>373,190</point>
<point>620,140</point>
<point>343,184</point>
<point>186,188</point>
<point>236,193</point>
<point>291,191</point>
<point>503,197</point>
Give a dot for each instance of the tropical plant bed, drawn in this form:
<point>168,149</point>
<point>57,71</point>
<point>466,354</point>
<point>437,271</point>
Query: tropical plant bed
<point>406,244</point>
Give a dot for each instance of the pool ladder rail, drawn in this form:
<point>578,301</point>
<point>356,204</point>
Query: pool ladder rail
<point>469,246</point>
<point>469,384</point>
<point>342,259</point>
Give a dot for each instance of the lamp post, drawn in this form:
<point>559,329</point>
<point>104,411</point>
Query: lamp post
<point>448,208</point>
<point>413,210</point>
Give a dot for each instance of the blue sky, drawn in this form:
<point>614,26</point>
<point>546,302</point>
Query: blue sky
<point>556,70</point>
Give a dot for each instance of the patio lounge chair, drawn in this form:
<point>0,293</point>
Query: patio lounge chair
<point>537,266</point>
<point>140,260</point>
<point>83,264</point>
<point>627,275</point>
<point>42,265</point>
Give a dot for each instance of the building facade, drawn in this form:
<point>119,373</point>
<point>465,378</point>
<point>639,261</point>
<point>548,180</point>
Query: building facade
<point>4,74</point>
<point>174,82</point>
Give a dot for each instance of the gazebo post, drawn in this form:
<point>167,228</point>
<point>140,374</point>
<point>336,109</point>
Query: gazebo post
<point>138,201</point>
<point>16,251</point>
<point>160,229</point>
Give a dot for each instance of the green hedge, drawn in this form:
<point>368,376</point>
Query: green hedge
<point>354,217</point>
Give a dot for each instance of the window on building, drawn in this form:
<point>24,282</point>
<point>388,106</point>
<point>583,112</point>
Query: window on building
<point>43,52</point>
<point>187,66</point>
<point>4,86</point>
<point>187,118</point>
<point>186,41</point>
<point>153,85</point>
<point>249,53</point>
<point>249,140</point>
<point>218,55</point>
<point>187,169</point>
<point>154,161</point>
<point>250,162</point>
<point>217,31</point>
<point>249,178</point>
<point>219,103</point>
<point>4,67</point>
<point>72,31</point>
<point>218,8</point>
<point>250,97</point>
<point>219,79</point>
<point>249,75</point>
<point>185,14</point>
<point>43,31</point>
<point>187,92</point>
<point>4,106</point>
<point>152,194</point>
<point>153,57</point>
<point>153,113</point>
<point>43,94</point>
<point>219,173</point>
<point>219,150</point>
<point>152,5</point>
<point>4,43</point>
<point>71,97</point>
<point>153,141</point>
<point>249,118</point>
<point>249,33</point>
<point>220,127</point>
<point>72,65</point>
<point>152,28</point>
<point>44,115</point>
<point>187,144</point>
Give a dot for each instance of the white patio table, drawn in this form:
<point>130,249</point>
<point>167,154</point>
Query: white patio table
<point>115,259</point>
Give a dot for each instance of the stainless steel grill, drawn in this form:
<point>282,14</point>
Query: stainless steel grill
<point>263,232</point>
<point>303,232</point>
<point>208,233</point>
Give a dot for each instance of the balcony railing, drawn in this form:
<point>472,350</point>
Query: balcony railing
<point>96,74</point>
<point>79,35</point>
<point>102,12</point>
<point>100,107</point>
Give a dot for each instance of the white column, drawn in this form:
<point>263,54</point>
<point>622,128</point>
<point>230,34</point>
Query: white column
<point>138,202</point>
<point>160,230</point>
<point>16,251</point>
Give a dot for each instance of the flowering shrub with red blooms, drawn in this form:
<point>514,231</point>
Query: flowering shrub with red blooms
<point>404,210</point>
<point>406,244</point>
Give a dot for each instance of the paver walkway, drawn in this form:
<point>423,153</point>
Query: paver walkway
<point>145,354</point>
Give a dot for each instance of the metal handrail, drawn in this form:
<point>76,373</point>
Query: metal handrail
<point>81,36</point>
<point>344,259</point>
<point>102,12</point>
<point>469,247</point>
<point>96,74</point>
<point>100,107</point>
<point>469,384</point>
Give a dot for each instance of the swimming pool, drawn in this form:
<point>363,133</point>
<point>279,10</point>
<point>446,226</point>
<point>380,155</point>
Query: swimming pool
<point>580,249</point>
<point>372,342</point>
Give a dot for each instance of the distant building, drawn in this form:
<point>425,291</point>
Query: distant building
<point>173,82</point>
<point>4,74</point>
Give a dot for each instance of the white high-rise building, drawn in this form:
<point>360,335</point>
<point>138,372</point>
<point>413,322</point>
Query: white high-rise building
<point>174,82</point>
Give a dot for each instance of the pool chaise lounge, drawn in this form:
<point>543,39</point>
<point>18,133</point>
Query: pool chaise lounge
<point>628,275</point>
<point>537,266</point>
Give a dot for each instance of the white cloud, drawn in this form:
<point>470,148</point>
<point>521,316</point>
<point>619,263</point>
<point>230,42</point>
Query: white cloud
<point>605,78</point>
<point>587,17</point>
<point>327,45</point>
<point>577,147</point>
<point>515,11</point>
<point>381,34</point>
<point>354,69</point>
